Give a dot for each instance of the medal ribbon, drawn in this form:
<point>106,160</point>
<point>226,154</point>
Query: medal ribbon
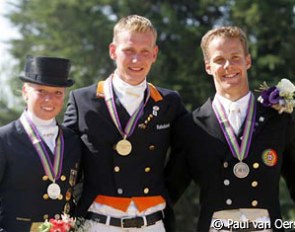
<point>110,102</point>
<point>53,172</point>
<point>240,152</point>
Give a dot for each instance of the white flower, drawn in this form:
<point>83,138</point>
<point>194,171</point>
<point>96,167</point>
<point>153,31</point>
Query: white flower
<point>286,88</point>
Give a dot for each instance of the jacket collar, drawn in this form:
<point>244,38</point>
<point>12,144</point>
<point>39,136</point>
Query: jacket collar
<point>206,119</point>
<point>154,93</point>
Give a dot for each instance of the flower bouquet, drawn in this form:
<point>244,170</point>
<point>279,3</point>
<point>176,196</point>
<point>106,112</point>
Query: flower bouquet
<point>279,97</point>
<point>65,224</point>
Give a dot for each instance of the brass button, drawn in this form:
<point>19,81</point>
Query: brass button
<point>117,169</point>
<point>152,147</point>
<point>147,169</point>
<point>228,201</point>
<point>254,184</point>
<point>45,178</point>
<point>60,197</point>
<point>146,190</point>
<point>256,165</point>
<point>120,191</point>
<point>45,196</point>
<point>63,178</point>
<point>45,216</point>
<point>254,203</point>
<point>225,164</point>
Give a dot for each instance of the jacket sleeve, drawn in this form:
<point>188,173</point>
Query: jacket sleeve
<point>289,159</point>
<point>2,164</point>
<point>177,176</point>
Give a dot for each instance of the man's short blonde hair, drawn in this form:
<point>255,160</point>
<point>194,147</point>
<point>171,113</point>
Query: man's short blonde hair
<point>134,23</point>
<point>225,32</point>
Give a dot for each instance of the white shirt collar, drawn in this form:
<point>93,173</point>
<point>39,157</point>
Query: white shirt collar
<point>40,122</point>
<point>123,87</point>
<point>47,129</point>
<point>129,95</point>
<point>242,102</point>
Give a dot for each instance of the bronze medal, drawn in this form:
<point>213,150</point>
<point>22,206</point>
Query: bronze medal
<point>124,147</point>
<point>241,170</point>
<point>53,191</point>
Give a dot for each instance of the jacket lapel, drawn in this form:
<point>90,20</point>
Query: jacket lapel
<point>206,119</point>
<point>263,114</point>
<point>23,137</point>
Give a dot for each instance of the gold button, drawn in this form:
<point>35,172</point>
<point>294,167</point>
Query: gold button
<point>45,216</point>
<point>117,169</point>
<point>60,197</point>
<point>45,178</point>
<point>254,184</point>
<point>146,190</point>
<point>45,196</point>
<point>63,178</point>
<point>152,147</point>
<point>256,165</point>
<point>147,169</point>
<point>254,203</point>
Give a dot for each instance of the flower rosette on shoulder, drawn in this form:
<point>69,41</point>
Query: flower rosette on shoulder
<point>279,97</point>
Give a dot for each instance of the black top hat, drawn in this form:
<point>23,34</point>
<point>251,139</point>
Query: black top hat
<point>51,71</point>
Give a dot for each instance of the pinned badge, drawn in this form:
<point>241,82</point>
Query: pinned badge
<point>73,177</point>
<point>269,157</point>
<point>155,110</point>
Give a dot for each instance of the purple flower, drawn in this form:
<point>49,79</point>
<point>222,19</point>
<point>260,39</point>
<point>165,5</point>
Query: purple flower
<point>271,96</point>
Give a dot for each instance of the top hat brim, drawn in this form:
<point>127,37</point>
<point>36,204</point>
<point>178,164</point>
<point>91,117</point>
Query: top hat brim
<point>68,82</point>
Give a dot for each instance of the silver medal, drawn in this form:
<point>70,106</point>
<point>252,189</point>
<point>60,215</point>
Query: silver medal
<point>53,191</point>
<point>241,170</point>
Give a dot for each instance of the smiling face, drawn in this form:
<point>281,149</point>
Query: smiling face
<point>134,53</point>
<point>43,101</point>
<point>228,64</point>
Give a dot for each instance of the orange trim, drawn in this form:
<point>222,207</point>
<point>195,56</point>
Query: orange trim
<point>99,89</point>
<point>122,203</point>
<point>144,203</point>
<point>155,95</point>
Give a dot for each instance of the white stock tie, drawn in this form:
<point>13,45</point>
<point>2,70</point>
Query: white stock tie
<point>234,117</point>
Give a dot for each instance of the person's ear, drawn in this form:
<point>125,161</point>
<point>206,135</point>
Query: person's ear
<point>248,61</point>
<point>208,67</point>
<point>112,51</point>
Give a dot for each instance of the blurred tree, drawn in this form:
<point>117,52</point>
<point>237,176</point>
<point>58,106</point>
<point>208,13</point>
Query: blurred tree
<point>271,29</point>
<point>81,31</point>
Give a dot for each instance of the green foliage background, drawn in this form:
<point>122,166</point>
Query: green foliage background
<point>81,31</point>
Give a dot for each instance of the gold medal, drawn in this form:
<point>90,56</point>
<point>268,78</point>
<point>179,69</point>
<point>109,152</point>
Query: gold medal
<point>241,170</point>
<point>124,147</point>
<point>53,191</point>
